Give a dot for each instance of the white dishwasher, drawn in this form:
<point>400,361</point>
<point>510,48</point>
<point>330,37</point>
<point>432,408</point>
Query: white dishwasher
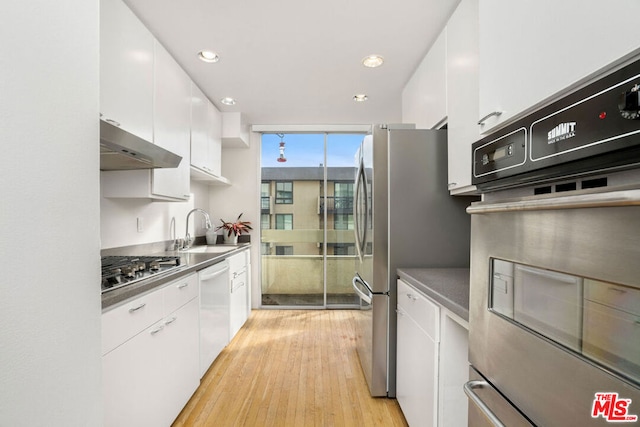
<point>214,312</point>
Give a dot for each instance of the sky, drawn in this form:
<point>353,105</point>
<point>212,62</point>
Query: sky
<point>308,149</point>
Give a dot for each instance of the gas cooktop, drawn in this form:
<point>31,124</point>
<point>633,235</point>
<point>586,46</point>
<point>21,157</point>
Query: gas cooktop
<point>119,271</point>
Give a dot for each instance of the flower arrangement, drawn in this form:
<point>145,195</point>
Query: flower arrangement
<point>235,228</point>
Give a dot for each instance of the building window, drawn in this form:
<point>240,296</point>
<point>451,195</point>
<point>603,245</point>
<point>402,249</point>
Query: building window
<point>343,195</point>
<point>265,196</point>
<point>344,249</point>
<point>343,221</point>
<point>265,222</point>
<point>284,250</point>
<point>284,221</point>
<point>284,193</point>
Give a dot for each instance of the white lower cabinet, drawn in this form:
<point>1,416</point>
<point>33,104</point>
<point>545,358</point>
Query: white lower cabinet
<point>417,357</point>
<point>239,288</point>
<point>150,376</point>
<point>431,361</point>
<point>417,376</point>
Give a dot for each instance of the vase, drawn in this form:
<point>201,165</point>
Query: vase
<point>211,236</point>
<point>230,240</point>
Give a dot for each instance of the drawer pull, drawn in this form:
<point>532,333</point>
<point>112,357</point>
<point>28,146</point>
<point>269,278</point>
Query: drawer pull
<point>618,290</point>
<point>182,285</point>
<point>156,330</point>
<point>170,321</point>
<point>134,309</point>
<point>113,122</point>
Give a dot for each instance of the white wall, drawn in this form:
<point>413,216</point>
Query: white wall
<point>50,370</point>
<point>242,167</point>
<point>119,218</point>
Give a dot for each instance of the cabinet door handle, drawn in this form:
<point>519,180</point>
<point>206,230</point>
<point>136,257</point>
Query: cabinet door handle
<point>491,114</point>
<point>156,330</point>
<point>399,312</point>
<point>452,184</point>
<point>183,285</point>
<point>412,297</point>
<point>113,122</point>
<point>171,320</point>
<point>136,308</point>
<point>618,290</point>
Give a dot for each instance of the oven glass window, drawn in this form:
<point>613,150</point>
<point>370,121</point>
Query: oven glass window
<point>597,319</point>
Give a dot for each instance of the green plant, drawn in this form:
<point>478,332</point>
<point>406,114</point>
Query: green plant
<point>237,227</point>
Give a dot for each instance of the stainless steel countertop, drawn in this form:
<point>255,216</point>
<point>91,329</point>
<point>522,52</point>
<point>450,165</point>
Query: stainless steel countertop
<point>447,286</point>
<point>189,262</point>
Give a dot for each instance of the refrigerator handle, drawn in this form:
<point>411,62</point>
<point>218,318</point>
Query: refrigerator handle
<point>355,282</point>
<point>360,185</point>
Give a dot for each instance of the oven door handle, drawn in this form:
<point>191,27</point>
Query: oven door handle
<point>596,200</point>
<point>469,388</point>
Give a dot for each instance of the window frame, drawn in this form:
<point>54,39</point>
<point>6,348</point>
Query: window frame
<point>284,200</point>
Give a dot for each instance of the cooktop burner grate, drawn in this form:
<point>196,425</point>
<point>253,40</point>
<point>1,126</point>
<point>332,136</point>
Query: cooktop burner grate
<point>119,271</point>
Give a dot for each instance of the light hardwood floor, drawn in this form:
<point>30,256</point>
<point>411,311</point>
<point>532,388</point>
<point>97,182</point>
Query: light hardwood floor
<point>289,368</point>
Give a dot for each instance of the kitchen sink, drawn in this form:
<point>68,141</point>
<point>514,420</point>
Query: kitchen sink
<point>214,249</point>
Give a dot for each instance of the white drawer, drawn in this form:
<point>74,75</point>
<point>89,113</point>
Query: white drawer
<point>620,297</point>
<point>425,313</point>
<point>127,320</point>
<point>237,261</point>
<point>180,292</point>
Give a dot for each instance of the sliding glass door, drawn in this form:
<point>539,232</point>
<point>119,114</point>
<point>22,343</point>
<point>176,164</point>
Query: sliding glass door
<point>307,243</point>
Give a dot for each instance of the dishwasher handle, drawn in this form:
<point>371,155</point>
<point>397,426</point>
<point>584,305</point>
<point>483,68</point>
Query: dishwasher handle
<point>216,273</point>
<point>469,388</point>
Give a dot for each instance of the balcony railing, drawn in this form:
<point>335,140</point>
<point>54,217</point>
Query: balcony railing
<point>340,204</point>
<point>302,274</point>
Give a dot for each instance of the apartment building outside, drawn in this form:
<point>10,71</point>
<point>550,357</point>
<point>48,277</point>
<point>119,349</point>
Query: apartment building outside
<point>307,232</point>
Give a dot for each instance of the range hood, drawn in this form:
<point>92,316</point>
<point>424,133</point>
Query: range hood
<point>121,150</point>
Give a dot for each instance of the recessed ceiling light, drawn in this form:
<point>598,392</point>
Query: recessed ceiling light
<point>361,97</point>
<point>228,101</point>
<point>208,56</point>
<point>373,61</point>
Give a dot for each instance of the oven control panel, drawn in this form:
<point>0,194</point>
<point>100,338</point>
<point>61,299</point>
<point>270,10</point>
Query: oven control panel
<point>594,129</point>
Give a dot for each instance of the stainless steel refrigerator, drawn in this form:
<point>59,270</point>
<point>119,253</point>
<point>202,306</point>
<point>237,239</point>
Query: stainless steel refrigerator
<point>403,217</point>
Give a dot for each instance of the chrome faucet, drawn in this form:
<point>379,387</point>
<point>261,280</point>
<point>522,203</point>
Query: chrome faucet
<point>188,240</point>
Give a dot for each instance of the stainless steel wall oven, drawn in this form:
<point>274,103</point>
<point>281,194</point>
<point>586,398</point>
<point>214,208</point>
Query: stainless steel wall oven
<point>554,334</point>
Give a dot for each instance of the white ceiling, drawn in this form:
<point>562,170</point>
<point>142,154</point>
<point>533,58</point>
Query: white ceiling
<point>297,61</point>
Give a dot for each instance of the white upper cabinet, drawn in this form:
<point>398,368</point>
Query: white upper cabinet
<point>199,129</point>
<point>206,138</point>
<point>462,93</point>
<point>144,91</point>
<point>235,130</point>
<point>126,70</point>
<point>424,98</point>
<point>531,50</point>
<point>171,124</point>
